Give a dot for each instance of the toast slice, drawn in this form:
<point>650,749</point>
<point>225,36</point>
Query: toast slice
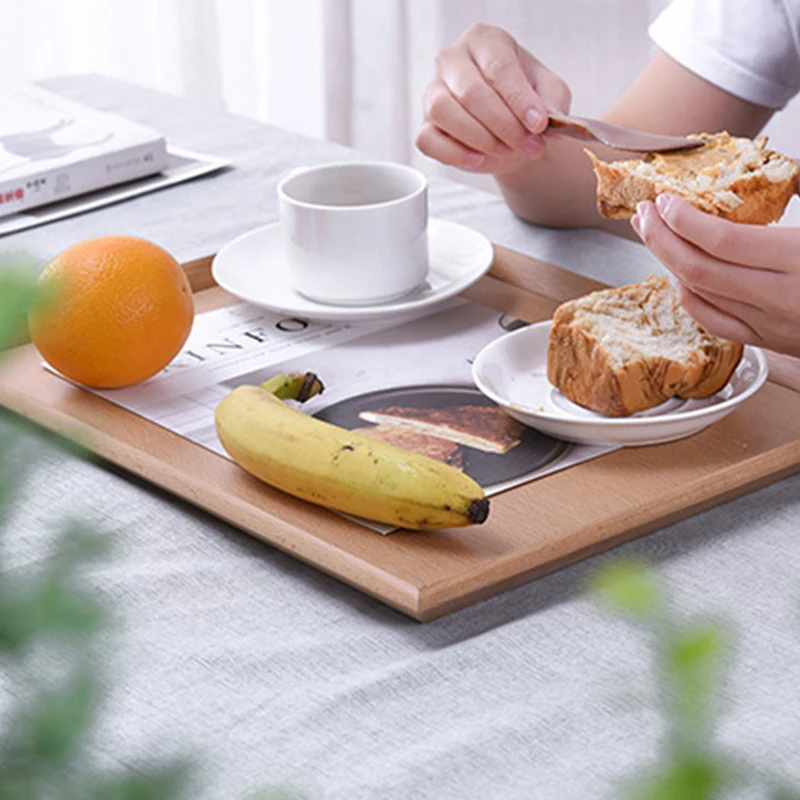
<point>620,351</point>
<point>408,439</point>
<point>735,178</point>
<point>486,428</point>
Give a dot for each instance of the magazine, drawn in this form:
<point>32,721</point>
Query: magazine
<point>52,148</point>
<point>370,370</point>
<point>182,165</point>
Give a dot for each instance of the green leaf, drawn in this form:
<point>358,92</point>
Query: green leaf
<point>76,546</point>
<point>47,734</point>
<point>19,617</point>
<point>697,648</point>
<point>48,605</point>
<point>64,612</point>
<point>18,291</point>
<point>698,778</point>
<point>16,783</point>
<point>630,587</point>
<point>694,664</point>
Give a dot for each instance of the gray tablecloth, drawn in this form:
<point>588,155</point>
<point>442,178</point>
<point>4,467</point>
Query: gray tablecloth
<point>267,671</point>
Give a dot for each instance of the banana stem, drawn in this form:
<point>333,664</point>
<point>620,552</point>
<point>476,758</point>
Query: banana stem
<point>294,387</point>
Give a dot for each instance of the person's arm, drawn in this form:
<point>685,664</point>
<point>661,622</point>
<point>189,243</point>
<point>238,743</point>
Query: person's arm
<point>486,112</point>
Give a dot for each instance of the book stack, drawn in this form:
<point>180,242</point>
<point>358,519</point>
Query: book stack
<point>52,149</point>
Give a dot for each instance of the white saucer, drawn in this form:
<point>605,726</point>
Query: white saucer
<point>512,371</point>
<point>254,269</point>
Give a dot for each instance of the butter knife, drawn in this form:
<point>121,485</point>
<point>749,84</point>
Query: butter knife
<point>595,130</point>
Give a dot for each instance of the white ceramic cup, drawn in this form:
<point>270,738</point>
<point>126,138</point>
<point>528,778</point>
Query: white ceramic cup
<point>355,233</point>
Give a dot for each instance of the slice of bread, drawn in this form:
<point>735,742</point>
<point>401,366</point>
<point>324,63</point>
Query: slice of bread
<point>620,351</point>
<point>735,178</point>
<point>417,442</point>
<point>486,428</point>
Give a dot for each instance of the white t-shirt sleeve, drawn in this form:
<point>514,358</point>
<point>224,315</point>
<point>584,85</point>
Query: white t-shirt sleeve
<point>750,48</point>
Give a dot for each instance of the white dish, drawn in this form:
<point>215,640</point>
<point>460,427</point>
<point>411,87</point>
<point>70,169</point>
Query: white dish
<point>512,371</point>
<point>253,268</point>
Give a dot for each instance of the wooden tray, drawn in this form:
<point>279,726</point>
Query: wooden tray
<point>532,529</point>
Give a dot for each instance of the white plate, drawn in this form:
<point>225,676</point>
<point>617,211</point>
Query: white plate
<point>512,371</point>
<point>253,268</point>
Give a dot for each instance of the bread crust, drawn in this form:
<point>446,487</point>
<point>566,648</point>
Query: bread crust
<point>581,367</point>
<point>752,198</point>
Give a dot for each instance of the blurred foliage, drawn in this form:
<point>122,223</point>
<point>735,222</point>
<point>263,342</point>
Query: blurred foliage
<point>49,624</point>
<point>49,627</point>
<point>690,659</point>
<point>18,290</point>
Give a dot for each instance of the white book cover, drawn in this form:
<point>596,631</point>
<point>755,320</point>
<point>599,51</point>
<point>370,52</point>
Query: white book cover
<point>52,149</point>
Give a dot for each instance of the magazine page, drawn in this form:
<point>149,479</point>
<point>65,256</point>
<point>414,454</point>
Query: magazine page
<point>377,375</point>
<point>182,165</point>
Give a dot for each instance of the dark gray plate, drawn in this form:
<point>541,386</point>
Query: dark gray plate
<point>534,451</point>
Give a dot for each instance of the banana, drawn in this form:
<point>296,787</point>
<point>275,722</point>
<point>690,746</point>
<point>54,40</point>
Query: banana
<point>339,469</point>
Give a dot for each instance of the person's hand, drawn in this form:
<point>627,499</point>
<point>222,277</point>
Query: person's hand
<point>487,107</point>
<point>741,282</point>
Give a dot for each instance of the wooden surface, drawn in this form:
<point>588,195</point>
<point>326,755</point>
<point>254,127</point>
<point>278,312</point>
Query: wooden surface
<point>532,529</point>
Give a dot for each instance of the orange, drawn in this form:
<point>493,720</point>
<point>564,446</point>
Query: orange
<point>114,311</point>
